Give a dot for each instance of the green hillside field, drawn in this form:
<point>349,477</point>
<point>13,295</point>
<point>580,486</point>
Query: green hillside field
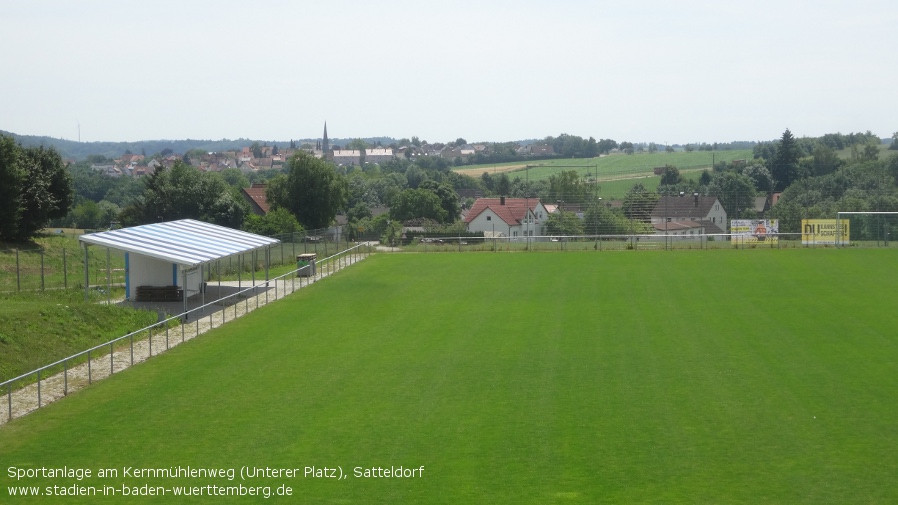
<point>726,376</point>
<point>616,166</point>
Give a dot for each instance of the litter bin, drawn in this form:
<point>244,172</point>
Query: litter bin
<point>305,265</point>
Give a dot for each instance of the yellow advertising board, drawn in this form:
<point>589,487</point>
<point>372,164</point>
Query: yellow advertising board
<point>823,232</point>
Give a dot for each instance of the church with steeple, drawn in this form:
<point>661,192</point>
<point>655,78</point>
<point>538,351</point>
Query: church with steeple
<point>324,146</point>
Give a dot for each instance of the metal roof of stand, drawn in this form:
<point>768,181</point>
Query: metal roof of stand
<point>185,242</point>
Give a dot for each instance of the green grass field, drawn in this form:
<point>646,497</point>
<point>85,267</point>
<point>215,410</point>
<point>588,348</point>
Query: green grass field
<point>730,376</point>
<point>621,165</point>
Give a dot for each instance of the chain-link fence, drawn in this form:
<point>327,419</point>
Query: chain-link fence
<point>39,268</point>
<point>634,242</point>
<point>33,269</point>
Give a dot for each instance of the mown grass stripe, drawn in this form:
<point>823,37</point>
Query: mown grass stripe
<point>694,376</point>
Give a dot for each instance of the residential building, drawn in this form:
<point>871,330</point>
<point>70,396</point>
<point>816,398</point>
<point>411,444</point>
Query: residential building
<point>681,229</point>
<point>507,217</point>
<point>685,209</point>
<point>378,155</point>
<point>258,202</point>
<point>346,157</point>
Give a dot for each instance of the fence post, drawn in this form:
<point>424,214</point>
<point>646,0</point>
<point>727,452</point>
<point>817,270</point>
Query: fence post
<point>18,273</point>
<point>65,272</point>
<point>42,277</point>
<point>111,361</point>
<point>88,367</point>
<point>65,377</point>
<point>132,349</point>
<point>38,388</point>
<point>109,279</point>
<point>9,400</point>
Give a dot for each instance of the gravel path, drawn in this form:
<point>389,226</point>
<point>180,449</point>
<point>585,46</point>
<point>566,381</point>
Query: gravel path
<point>125,353</point>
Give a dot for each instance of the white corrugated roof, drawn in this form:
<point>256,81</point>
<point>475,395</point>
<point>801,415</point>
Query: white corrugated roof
<point>185,242</point>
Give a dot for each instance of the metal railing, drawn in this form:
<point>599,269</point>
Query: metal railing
<point>34,389</point>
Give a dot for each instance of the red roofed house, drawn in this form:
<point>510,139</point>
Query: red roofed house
<point>507,217</point>
<point>255,195</point>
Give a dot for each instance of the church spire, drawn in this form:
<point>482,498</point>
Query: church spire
<point>325,145</point>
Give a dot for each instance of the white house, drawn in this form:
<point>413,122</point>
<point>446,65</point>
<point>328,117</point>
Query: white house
<point>378,155</point>
<point>507,217</point>
<point>681,229</point>
<point>347,157</point>
<point>686,210</point>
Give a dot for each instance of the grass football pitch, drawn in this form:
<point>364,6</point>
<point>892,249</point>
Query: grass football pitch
<point>723,376</point>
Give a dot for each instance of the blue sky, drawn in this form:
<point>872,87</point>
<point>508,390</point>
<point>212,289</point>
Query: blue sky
<point>643,71</point>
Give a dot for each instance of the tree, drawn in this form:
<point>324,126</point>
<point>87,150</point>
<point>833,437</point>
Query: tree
<point>564,223</point>
<point>87,215</point>
<point>235,178</point>
<point>417,203</point>
<point>36,188</point>
<point>488,183</point>
<point>600,220</point>
<point>568,186</point>
<point>503,184</point>
<point>892,165</point>
<point>277,222</point>
<point>256,149</point>
<point>759,175</point>
<point>357,144</point>
<point>736,192</point>
<point>705,178</point>
<point>276,193</point>
<point>313,191</point>
<point>124,191</point>
<point>448,198</point>
<point>604,146</point>
<point>871,152</point>
<point>639,203</point>
<point>784,165</point>
<point>894,144</point>
<point>670,176</point>
<point>183,192</point>
<point>415,176</point>
<point>12,180</point>
<point>358,212</point>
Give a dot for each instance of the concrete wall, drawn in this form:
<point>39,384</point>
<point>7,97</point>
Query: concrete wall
<point>146,271</point>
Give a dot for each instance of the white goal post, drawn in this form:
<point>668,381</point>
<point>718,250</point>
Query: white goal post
<point>844,218</point>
